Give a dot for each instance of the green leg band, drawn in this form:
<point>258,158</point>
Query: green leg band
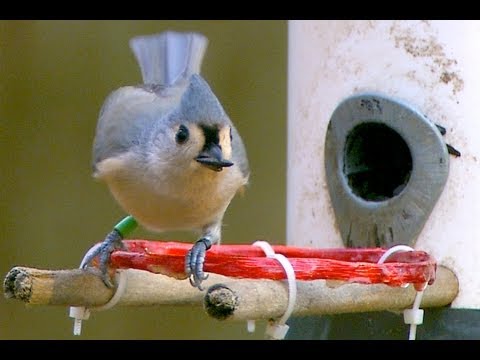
<point>126,225</point>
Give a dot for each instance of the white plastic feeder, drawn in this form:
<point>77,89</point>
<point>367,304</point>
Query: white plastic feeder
<point>432,67</point>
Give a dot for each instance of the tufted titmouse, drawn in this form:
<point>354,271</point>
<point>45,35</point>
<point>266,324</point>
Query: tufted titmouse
<point>167,150</point>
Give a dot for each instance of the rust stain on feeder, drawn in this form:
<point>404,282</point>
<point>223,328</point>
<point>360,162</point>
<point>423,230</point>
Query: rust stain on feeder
<point>431,51</point>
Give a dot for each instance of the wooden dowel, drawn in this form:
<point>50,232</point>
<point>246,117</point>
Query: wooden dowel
<point>85,288</point>
<point>225,298</point>
<point>264,299</point>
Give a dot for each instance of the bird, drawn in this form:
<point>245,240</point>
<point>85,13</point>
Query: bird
<point>167,150</point>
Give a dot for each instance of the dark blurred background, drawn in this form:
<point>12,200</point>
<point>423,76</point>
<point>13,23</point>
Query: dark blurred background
<point>54,77</point>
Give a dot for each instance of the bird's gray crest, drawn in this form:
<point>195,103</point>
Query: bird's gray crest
<point>168,57</point>
<point>199,103</point>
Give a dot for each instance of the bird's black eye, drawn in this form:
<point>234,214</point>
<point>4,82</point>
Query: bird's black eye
<point>182,134</point>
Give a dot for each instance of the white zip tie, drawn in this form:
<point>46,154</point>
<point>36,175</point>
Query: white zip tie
<point>251,326</point>
<point>121,278</point>
<point>278,329</point>
<point>413,316</point>
<point>79,313</point>
<point>393,250</point>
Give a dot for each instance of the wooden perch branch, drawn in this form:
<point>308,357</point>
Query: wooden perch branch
<point>266,299</point>
<point>85,288</point>
<point>225,298</point>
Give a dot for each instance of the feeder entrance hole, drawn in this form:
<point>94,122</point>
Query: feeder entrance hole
<point>377,162</point>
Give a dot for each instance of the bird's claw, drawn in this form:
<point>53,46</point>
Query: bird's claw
<point>112,242</point>
<point>194,261</point>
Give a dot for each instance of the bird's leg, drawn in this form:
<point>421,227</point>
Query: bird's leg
<point>195,258</point>
<point>194,262</point>
<point>112,242</point>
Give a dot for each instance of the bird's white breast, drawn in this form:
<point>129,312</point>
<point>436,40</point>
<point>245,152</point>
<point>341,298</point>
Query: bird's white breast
<point>176,201</point>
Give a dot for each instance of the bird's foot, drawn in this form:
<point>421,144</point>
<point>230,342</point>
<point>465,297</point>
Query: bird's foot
<point>112,242</point>
<point>194,261</point>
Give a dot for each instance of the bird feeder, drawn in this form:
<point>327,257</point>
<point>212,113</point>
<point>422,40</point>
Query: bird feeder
<point>379,114</point>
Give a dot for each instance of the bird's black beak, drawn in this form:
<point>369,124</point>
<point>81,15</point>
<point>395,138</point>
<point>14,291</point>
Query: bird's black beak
<point>212,158</point>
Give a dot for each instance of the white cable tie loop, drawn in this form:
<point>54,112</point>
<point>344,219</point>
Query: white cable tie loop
<point>393,250</point>
<point>80,313</point>
<point>413,316</point>
<point>278,329</point>
<point>121,278</point>
<point>266,247</point>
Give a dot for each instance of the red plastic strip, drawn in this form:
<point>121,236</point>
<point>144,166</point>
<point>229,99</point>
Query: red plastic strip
<point>247,261</point>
